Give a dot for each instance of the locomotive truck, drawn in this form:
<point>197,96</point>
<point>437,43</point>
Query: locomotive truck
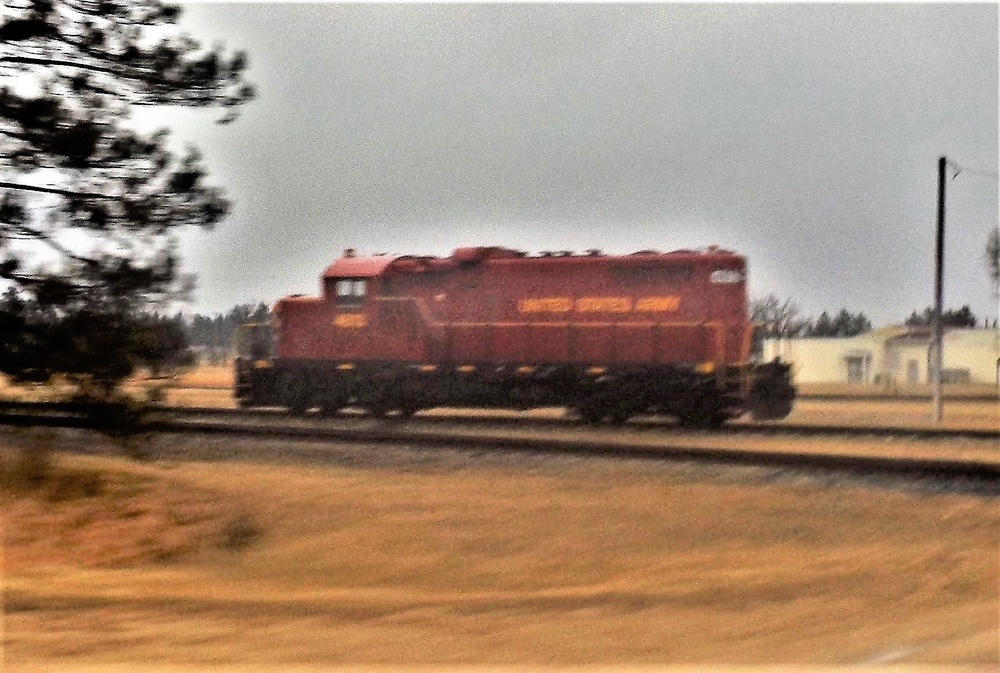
<point>606,336</point>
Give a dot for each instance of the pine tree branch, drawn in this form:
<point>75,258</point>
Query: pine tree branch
<point>54,62</point>
<point>157,89</point>
<point>54,190</point>
<point>13,134</point>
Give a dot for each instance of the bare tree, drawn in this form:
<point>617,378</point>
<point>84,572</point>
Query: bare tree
<point>773,317</point>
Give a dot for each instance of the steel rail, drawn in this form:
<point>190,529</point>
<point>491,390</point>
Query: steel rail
<point>968,470</point>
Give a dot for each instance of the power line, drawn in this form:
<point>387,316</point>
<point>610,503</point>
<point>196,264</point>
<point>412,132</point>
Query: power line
<point>972,171</point>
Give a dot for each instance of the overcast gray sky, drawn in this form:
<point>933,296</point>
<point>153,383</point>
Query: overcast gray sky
<point>804,136</point>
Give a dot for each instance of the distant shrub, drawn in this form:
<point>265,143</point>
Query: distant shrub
<point>35,471</point>
<point>32,469</point>
<point>240,532</point>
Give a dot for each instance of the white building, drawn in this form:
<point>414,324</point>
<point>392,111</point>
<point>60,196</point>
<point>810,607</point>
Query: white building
<point>891,355</point>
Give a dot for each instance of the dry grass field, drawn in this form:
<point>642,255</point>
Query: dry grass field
<point>412,557</point>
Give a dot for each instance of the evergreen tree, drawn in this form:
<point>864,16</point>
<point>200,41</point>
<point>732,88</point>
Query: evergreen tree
<point>993,257</point>
<point>963,317</point>
<point>215,335</point>
<point>89,205</point>
<point>823,326</point>
<point>845,324</point>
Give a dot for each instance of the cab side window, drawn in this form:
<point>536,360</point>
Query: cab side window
<point>351,291</point>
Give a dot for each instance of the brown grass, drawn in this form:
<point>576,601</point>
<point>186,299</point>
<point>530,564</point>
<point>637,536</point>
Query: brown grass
<point>950,391</point>
<point>956,413</point>
<point>207,376</point>
<point>447,559</point>
<point>107,514</point>
<point>203,377</point>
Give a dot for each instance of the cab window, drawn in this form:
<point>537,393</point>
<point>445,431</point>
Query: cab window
<point>351,291</point>
<point>725,276</point>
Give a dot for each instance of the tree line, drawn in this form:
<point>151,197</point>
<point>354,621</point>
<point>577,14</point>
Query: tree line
<point>212,336</point>
<point>774,317</point>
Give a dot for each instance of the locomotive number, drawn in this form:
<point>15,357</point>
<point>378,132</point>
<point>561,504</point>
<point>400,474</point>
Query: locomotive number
<point>350,320</point>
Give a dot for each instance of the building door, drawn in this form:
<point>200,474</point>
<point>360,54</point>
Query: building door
<point>912,371</point>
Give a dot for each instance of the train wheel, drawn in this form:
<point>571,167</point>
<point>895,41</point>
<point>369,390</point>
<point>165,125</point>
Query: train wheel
<point>330,408</point>
<point>374,402</point>
<point>295,393</point>
<point>702,411</point>
<point>706,422</point>
<point>591,412</point>
<point>619,417</point>
<point>407,410</point>
<point>703,419</point>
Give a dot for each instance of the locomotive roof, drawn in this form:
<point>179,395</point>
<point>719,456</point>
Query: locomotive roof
<point>350,266</point>
<point>353,266</point>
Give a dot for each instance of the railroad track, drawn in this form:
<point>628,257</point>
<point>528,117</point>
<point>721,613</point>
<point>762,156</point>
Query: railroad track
<point>666,426</point>
<point>647,440</point>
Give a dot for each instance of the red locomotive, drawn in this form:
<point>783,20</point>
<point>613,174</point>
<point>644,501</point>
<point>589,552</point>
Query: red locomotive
<point>608,336</point>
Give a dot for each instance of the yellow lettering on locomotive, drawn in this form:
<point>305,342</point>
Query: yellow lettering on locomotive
<point>654,304</point>
<point>545,305</point>
<point>350,320</point>
<point>599,304</point>
<point>604,304</point>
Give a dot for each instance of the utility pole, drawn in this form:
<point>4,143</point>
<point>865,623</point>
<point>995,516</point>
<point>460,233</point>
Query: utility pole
<point>937,333</point>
